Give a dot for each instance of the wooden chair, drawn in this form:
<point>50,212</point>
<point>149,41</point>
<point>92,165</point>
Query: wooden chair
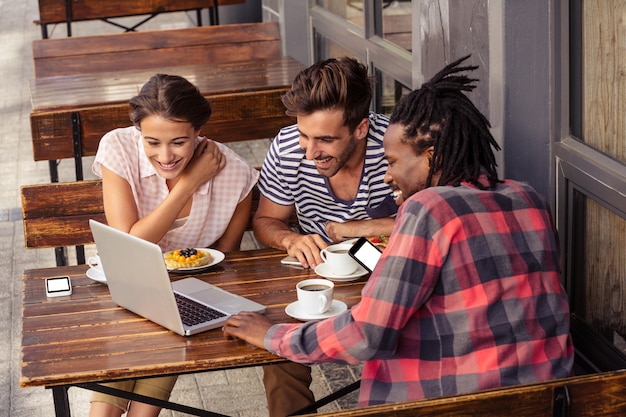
<point>56,215</point>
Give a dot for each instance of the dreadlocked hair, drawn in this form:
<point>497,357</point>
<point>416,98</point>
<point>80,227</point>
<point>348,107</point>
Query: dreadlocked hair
<point>439,114</point>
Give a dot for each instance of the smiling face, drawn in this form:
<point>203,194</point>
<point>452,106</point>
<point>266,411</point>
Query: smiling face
<point>327,141</point>
<point>168,145</point>
<point>407,172</point>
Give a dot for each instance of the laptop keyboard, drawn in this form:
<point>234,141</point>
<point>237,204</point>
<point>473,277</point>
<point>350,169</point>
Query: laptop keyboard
<point>193,313</point>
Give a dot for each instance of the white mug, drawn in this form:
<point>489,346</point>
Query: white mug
<point>338,259</point>
<point>95,263</point>
<point>315,296</point>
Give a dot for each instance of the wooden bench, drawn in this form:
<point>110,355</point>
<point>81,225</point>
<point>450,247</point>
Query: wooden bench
<point>598,395</point>
<point>69,11</point>
<point>56,215</point>
<point>155,49</point>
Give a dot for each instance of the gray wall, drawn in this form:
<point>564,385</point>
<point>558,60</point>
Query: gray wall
<point>510,41</point>
<point>528,105</point>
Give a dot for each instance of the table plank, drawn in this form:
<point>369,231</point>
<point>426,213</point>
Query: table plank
<point>102,341</point>
<point>245,98</point>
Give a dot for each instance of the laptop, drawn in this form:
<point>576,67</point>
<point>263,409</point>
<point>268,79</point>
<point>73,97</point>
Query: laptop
<point>138,280</point>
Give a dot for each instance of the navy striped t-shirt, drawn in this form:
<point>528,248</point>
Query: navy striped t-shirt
<point>288,178</point>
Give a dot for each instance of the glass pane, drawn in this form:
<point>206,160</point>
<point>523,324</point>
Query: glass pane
<point>396,17</point>
<point>351,10</point>
<point>397,22</point>
<point>390,92</point>
<point>602,267</point>
<point>326,48</point>
<point>603,77</point>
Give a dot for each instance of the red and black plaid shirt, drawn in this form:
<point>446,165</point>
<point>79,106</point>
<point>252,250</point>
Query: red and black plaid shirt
<point>465,297</point>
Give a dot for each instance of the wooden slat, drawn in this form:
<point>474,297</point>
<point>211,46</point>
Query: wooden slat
<point>236,117</point>
<point>154,49</point>
<point>593,395</point>
<point>62,199</point>
<point>76,91</point>
<point>53,11</point>
<point>57,214</point>
<point>155,39</point>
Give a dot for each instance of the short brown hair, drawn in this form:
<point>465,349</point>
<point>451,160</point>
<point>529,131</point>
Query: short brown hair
<point>341,83</point>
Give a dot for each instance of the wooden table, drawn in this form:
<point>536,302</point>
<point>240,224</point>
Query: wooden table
<point>71,113</point>
<point>86,338</point>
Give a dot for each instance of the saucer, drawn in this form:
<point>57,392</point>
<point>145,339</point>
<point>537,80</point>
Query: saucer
<point>324,271</point>
<point>294,311</point>
<point>96,275</point>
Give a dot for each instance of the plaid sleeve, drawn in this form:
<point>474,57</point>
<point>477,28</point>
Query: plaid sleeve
<point>396,289</point>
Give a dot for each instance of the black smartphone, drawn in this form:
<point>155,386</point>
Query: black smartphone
<point>365,253</point>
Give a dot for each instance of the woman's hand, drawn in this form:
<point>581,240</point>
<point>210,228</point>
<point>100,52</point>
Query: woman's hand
<point>206,163</point>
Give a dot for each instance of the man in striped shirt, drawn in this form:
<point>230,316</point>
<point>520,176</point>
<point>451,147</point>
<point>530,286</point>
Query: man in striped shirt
<point>329,167</point>
<point>467,294</point>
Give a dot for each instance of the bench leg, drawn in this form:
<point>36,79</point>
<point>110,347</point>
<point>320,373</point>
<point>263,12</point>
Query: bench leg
<point>214,17</point>
<point>61,256</point>
<point>80,255</point>
<point>54,171</point>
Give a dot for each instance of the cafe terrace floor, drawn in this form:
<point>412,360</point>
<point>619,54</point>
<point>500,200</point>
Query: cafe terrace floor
<point>237,392</point>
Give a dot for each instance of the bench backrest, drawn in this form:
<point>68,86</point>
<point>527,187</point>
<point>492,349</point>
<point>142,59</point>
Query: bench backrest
<point>54,11</point>
<point>155,49</point>
<point>235,117</point>
<point>57,214</point>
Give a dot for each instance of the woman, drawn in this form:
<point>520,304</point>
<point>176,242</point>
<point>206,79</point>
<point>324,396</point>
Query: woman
<point>163,183</point>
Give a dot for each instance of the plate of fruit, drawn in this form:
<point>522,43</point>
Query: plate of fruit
<point>191,259</point>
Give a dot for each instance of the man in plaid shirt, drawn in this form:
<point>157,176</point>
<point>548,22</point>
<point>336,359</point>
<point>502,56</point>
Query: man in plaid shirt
<point>466,296</point>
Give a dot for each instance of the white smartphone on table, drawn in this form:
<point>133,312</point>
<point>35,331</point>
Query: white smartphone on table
<point>291,261</point>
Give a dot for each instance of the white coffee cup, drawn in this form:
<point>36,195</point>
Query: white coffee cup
<point>95,263</point>
<point>338,259</point>
<point>315,296</point>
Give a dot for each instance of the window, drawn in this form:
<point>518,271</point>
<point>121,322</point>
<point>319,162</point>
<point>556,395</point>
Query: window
<point>377,33</point>
<point>591,169</point>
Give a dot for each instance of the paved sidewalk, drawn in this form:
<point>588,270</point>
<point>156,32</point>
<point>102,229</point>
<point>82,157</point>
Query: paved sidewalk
<point>237,392</point>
